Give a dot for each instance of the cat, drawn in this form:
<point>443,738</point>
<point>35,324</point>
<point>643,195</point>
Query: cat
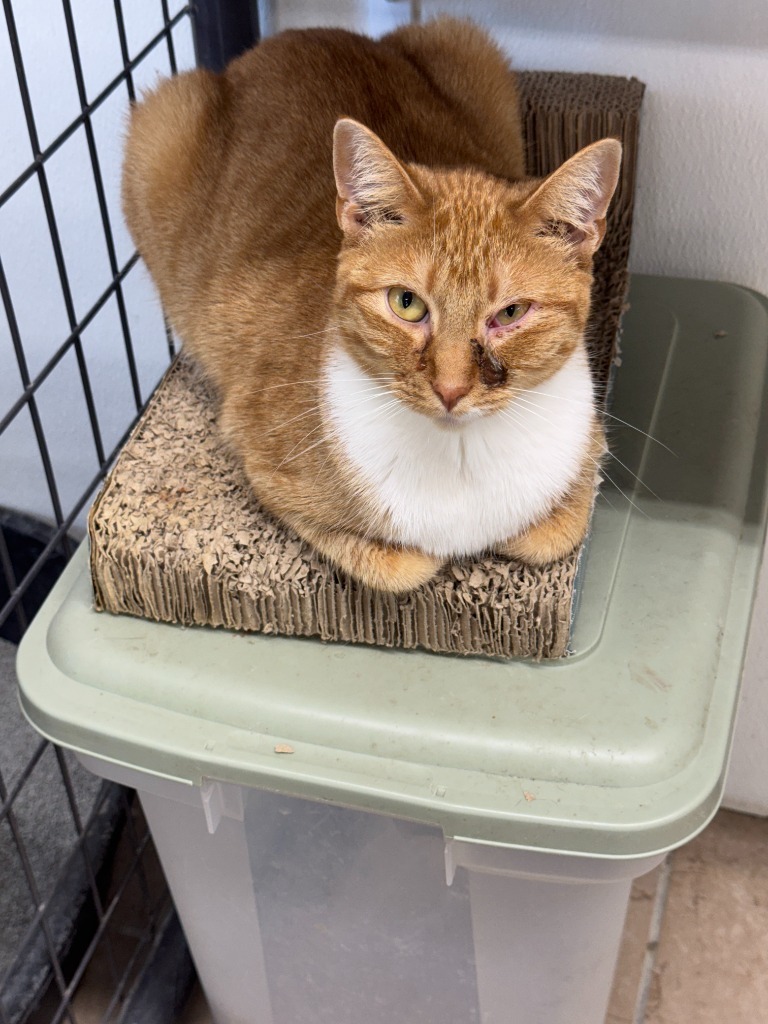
<point>392,314</point>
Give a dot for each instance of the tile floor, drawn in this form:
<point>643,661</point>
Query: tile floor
<point>695,947</point>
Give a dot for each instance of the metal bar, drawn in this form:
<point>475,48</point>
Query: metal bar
<point>65,346</point>
<point>102,199</point>
<point>42,907</point>
<point>83,847</point>
<point>171,47</point>
<point>77,344</point>
<point>143,883</point>
<point>169,338</point>
<point>35,893</point>
<point>4,1018</point>
<point>124,49</point>
<point>13,792</point>
<point>143,941</point>
<point>75,812</point>
<point>50,217</point>
<point>10,579</point>
<point>166,978</point>
<point>37,425</point>
<point>40,158</point>
<point>156,912</point>
<point>222,31</point>
<point>41,929</point>
<point>61,532</point>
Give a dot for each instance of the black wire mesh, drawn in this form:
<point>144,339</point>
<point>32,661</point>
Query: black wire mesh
<point>97,912</point>
<point>75,327</point>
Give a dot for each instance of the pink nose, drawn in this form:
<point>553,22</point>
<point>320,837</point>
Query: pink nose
<point>449,394</point>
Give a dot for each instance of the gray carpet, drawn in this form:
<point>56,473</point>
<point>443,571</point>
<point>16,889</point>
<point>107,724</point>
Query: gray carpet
<point>42,815</point>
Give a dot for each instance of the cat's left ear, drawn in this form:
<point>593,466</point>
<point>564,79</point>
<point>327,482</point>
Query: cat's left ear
<point>573,201</point>
<point>373,186</point>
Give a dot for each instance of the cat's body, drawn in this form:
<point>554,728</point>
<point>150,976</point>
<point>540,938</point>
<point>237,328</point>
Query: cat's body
<point>390,443</point>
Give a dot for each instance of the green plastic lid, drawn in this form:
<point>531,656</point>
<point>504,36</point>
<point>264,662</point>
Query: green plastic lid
<point>617,751</point>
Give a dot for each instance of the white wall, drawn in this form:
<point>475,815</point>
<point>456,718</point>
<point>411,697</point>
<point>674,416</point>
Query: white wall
<point>701,203</point>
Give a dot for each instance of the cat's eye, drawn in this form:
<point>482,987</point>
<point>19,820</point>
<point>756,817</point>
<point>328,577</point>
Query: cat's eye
<point>407,305</point>
<point>510,314</point>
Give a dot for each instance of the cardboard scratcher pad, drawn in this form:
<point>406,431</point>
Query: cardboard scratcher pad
<point>176,534</point>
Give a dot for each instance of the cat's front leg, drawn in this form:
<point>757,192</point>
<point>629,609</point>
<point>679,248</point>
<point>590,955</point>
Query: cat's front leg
<point>559,533</point>
<point>377,565</point>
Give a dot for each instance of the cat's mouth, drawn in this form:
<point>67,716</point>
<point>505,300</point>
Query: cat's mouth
<point>455,420</point>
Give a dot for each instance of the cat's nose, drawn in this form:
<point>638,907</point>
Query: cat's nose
<point>449,394</point>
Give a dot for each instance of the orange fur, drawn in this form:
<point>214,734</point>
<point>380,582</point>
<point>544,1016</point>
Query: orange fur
<point>229,193</point>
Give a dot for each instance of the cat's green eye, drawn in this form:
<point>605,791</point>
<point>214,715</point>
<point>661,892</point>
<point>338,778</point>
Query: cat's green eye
<point>407,305</point>
<point>511,314</point>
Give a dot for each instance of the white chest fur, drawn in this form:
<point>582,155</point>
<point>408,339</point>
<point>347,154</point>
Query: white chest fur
<point>460,491</point>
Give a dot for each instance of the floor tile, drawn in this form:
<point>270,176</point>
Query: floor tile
<point>629,969</point>
<point>712,961</point>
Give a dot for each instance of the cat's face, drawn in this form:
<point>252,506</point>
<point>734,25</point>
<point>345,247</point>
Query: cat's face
<point>459,291</point>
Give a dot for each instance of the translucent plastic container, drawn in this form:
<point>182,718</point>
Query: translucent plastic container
<point>366,836</point>
<point>299,912</point>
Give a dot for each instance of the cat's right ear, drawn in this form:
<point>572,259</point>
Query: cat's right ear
<point>373,186</point>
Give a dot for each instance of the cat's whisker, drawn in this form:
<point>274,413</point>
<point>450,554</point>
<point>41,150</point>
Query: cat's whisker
<point>334,446</point>
<point>284,423</point>
<point>288,458</point>
<point>388,408</point>
<point>291,457</point>
<point>536,410</point>
<point>320,380</point>
<point>603,472</point>
<point>312,334</point>
<point>366,395</point>
<point>531,406</point>
<point>331,449</point>
<point>639,480</point>
<point>598,465</point>
<point>301,454</point>
<point>602,494</point>
<point>600,412</point>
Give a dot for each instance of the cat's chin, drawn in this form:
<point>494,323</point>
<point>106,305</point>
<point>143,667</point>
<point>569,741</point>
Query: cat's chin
<point>450,421</point>
<point>454,420</point>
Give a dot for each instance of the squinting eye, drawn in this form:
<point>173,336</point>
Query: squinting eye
<point>407,305</point>
<point>510,314</point>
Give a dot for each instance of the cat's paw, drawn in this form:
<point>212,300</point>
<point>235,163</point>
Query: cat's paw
<point>395,570</point>
<point>551,539</point>
<point>538,548</point>
<point>559,534</point>
<point>378,565</point>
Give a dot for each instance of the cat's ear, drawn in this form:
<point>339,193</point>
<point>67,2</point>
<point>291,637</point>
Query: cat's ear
<point>573,201</point>
<point>373,186</point>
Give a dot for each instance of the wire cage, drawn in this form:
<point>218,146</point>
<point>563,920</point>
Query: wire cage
<point>82,346</point>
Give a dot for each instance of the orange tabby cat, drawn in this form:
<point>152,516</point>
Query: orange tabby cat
<point>393,315</point>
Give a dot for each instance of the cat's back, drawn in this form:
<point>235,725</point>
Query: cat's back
<point>224,173</point>
<point>440,94</point>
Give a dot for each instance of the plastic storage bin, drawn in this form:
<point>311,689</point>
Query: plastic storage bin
<point>361,835</point>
